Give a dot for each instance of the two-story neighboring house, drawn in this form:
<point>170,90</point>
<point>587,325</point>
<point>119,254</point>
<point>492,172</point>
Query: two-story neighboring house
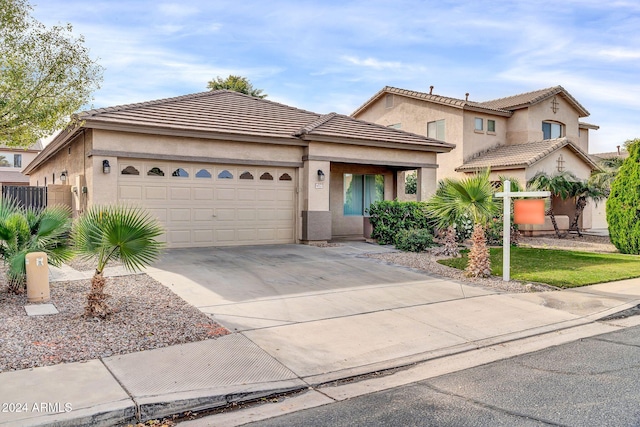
<point>13,161</point>
<point>515,136</point>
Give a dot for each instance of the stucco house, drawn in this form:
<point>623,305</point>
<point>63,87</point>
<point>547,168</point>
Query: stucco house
<point>221,168</point>
<point>13,161</point>
<point>516,136</point>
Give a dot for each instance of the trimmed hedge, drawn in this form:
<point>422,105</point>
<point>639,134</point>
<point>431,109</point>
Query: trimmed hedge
<point>389,217</point>
<point>623,205</point>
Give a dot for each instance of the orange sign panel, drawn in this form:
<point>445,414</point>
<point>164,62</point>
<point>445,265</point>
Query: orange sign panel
<point>528,211</point>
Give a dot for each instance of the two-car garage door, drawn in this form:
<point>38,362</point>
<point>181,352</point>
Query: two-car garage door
<point>213,205</point>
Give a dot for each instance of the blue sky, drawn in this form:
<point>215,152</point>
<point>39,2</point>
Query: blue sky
<point>331,55</point>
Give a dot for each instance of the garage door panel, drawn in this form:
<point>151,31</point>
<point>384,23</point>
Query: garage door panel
<point>203,214</point>
<point>130,192</point>
<point>247,235</point>
<point>225,235</point>
<point>216,210</point>
<point>200,193</point>
<point>155,193</point>
<point>179,193</point>
<point>266,234</point>
<point>180,215</point>
<point>284,195</point>
<point>246,214</point>
<point>179,236</point>
<point>203,236</point>
<point>226,194</point>
<point>225,214</point>
<point>246,194</point>
<point>285,234</point>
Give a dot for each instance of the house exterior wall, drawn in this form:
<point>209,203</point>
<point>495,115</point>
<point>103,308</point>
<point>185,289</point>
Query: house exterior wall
<point>525,125</point>
<point>72,158</point>
<point>27,157</point>
<point>475,141</point>
<point>413,116</point>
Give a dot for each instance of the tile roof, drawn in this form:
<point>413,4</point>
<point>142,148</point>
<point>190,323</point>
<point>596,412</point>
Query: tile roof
<point>521,155</point>
<point>215,111</point>
<point>502,106</point>
<point>223,114</point>
<point>437,99</point>
<point>523,100</point>
<point>13,177</point>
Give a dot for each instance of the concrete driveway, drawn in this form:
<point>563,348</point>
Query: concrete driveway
<point>328,313</point>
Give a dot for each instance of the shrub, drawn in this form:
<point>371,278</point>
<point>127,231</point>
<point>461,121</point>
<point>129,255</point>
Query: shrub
<point>389,217</point>
<point>414,240</point>
<point>464,227</point>
<point>623,205</point>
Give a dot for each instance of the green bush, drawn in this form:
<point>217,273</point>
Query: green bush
<point>389,217</point>
<point>623,205</point>
<point>414,240</point>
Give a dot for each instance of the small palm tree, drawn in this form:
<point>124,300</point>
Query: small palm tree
<point>561,185</point>
<point>25,230</point>
<point>109,233</point>
<point>607,173</point>
<point>472,196</point>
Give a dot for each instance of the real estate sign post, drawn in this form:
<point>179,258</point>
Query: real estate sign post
<point>507,195</point>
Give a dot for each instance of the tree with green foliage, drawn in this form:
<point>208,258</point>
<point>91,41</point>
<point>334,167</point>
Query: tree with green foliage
<point>25,230</point>
<point>411,183</point>
<point>110,233</point>
<point>584,190</point>
<point>236,84</point>
<point>623,205</point>
<point>46,75</point>
<point>472,196</point>
<point>608,171</point>
<point>560,185</point>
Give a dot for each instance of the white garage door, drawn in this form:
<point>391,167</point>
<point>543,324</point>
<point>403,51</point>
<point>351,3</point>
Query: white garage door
<point>213,205</point>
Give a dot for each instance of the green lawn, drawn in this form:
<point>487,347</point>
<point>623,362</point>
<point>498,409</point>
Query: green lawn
<point>565,269</point>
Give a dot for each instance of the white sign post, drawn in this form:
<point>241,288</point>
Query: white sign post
<point>507,194</point>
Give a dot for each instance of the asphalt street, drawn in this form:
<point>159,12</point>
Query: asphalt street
<point>591,382</point>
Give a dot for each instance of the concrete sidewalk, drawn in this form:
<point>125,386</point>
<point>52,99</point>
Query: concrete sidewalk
<point>290,337</point>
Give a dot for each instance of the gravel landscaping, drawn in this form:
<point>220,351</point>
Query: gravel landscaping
<point>147,315</point>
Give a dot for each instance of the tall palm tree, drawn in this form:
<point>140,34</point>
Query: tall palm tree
<point>108,233</point>
<point>560,185</point>
<point>582,191</point>
<point>25,230</point>
<point>472,196</point>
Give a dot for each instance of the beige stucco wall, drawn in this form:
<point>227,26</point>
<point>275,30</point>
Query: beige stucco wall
<point>413,115</point>
<point>525,125</point>
<point>583,139</point>
<point>72,158</point>
<point>27,157</point>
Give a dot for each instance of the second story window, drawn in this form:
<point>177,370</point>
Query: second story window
<point>17,160</point>
<point>435,130</point>
<point>491,125</point>
<point>479,124</point>
<point>551,130</point>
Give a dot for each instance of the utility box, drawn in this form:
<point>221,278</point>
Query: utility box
<point>37,277</point>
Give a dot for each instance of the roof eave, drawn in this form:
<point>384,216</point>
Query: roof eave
<point>53,147</point>
<point>432,147</point>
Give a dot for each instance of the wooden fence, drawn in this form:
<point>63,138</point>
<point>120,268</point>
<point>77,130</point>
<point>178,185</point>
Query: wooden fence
<point>34,197</point>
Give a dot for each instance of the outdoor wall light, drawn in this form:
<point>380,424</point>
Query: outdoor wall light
<point>63,176</point>
<point>320,175</point>
<point>106,167</point>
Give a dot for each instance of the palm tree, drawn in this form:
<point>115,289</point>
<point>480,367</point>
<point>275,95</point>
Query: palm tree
<point>472,196</point>
<point>608,171</point>
<point>111,233</point>
<point>582,191</point>
<point>25,230</point>
<point>560,185</point>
